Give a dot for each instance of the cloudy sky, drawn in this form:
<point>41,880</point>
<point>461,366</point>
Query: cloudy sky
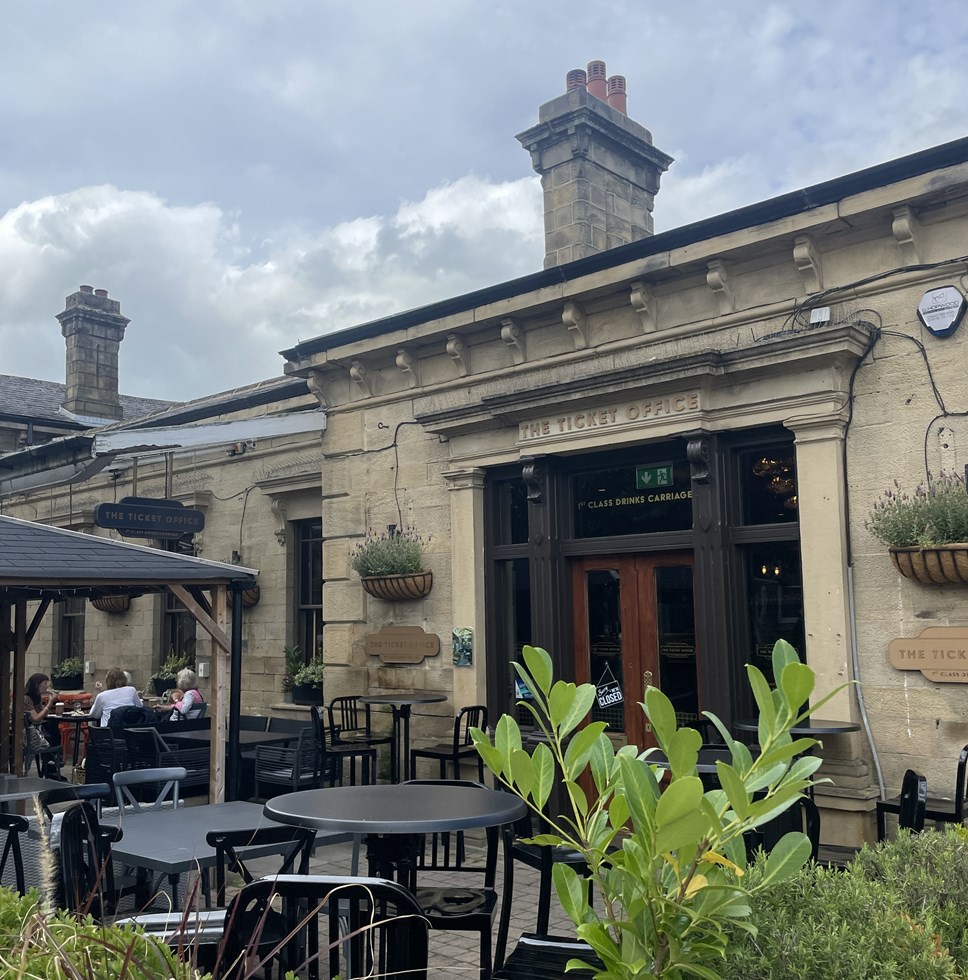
<point>243,174</point>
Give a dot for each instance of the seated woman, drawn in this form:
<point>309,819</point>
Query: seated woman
<point>117,693</point>
<point>38,713</point>
<point>187,700</point>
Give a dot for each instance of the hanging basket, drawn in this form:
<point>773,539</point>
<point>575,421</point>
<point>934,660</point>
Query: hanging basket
<point>251,596</point>
<point>943,565</point>
<point>394,587</point>
<point>112,603</point>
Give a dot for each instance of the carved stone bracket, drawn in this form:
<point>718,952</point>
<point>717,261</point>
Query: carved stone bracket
<point>573,317</point>
<point>317,383</point>
<point>906,229</point>
<point>459,354</point>
<point>278,507</point>
<point>642,298</point>
<point>697,453</point>
<point>717,278</point>
<point>808,262</point>
<point>513,336</point>
<point>533,472</point>
<point>359,378</point>
<point>407,363</point>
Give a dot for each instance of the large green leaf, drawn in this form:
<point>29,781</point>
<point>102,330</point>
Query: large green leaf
<point>789,855</point>
<point>579,747</point>
<point>662,714</point>
<point>783,654</point>
<point>544,774</point>
<point>569,705</point>
<point>763,696</point>
<point>796,683</point>
<point>641,798</point>
<point>571,890</point>
<point>682,797</point>
<point>735,790</point>
<point>507,737</point>
<point>538,663</point>
<point>686,831</point>
<point>683,751</point>
<point>522,771</point>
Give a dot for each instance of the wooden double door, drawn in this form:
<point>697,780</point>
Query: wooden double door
<point>634,625</point>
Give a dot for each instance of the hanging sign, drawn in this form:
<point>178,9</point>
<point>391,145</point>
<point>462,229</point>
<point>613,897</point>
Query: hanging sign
<point>145,517</point>
<point>941,310</point>
<point>608,691</point>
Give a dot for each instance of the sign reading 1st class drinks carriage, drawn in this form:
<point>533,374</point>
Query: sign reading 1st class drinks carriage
<point>939,652</point>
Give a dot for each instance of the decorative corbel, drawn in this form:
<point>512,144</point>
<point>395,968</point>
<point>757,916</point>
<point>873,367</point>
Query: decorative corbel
<point>407,363</point>
<point>642,298</point>
<point>316,383</point>
<point>808,262</point>
<point>359,378</point>
<point>573,317</point>
<point>532,473</point>
<point>459,354</point>
<point>717,279</point>
<point>906,229</point>
<point>697,453</point>
<point>277,505</point>
<point>513,336</point>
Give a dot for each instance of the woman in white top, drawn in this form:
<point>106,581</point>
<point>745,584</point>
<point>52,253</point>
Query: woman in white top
<point>117,693</point>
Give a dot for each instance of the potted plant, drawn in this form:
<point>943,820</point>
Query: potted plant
<point>666,863</point>
<point>390,564</point>
<point>165,677</point>
<point>293,656</point>
<point>68,675</point>
<point>926,531</point>
<point>307,682</point>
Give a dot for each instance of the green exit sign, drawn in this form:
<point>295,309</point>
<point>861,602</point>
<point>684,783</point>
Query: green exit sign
<point>648,477</point>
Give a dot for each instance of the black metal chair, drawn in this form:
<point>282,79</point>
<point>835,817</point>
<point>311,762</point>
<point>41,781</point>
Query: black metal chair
<point>253,723</point>
<point>87,874</point>
<point>332,757</point>
<point>148,750</point>
<point>940,809</point>
<point>460,747</point>
<point>47,759</point>
<point>540,857</point>
<point>93,793</point>
<point>106,755</point>
<point>14,825</point>
<point>911,807</point>
<point>349,721</point>
<point>281,769</point>
<point>375,927</point>
<point>803,816</point>
<point>459,908</point>
<point>537,957</point>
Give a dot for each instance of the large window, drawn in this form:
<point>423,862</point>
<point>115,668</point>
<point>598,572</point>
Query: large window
<point>70,629</point>
<point>177,630</point>
<point>308,614</point>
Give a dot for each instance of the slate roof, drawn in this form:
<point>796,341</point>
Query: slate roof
<point>31,398</point>
<point>38,561</point>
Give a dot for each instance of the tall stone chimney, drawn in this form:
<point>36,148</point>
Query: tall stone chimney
<point>93,326</point>
<point>599,170</point>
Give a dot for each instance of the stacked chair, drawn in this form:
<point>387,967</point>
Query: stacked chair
<point>333,756</point>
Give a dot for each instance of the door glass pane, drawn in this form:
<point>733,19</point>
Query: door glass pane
<point>638,499</point>
<point>769,476</point>
<point>775,597</point>
<point>513,585</point>
<point>677,641</point>
<point>605,641</point>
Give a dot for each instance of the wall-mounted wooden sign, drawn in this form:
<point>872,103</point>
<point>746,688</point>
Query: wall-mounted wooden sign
<point>939,652</point>
<point>402,644</point>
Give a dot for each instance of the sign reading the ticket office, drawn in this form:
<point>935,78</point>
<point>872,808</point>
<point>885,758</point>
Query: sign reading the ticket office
<point>402,644</point>
<point>146,517</point>
<point>634,413</point>
<point>939,652</point>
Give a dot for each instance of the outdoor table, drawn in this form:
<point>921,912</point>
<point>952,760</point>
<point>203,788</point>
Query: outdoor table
<point>809,727</point>
<point>705,766</point>
<point>246,739</point>
<point>394,817</point>
<point>400,703</point>
<point>77,720</point>
<point>14,788</point>
<point>172,841</point>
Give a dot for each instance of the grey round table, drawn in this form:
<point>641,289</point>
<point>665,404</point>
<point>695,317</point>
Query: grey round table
<point>400,703</point>
<point>394,816</point>
<point>809,727</point>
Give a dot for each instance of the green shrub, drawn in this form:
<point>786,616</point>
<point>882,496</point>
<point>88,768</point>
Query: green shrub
<point>34,943</point>
<point>311,675</point>
<point>929,872</point>
<point>70,667</point>
<point>823,924</point>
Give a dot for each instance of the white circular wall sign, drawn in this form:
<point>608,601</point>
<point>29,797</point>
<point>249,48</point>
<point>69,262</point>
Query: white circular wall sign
<point>941,310</point>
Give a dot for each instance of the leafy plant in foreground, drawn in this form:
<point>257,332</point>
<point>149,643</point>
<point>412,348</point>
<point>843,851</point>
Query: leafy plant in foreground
<point>667,865</point>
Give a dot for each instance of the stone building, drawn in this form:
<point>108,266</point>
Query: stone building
<point>656,456</point>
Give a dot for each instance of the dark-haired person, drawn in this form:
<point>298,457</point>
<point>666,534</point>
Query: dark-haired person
<point>37,712</point>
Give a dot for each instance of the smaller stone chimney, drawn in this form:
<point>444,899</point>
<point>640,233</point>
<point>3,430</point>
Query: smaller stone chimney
<point>599,170</point>
<point>93,327</point>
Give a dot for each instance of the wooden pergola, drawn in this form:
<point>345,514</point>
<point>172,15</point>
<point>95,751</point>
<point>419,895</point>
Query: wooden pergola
<point>40,565</point>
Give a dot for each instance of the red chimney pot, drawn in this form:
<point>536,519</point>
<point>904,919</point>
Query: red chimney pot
<point>576,78</point>
<point>617,97</point>
<point>597,85</point>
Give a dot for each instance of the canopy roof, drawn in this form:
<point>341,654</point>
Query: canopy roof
<point>42,562</point>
